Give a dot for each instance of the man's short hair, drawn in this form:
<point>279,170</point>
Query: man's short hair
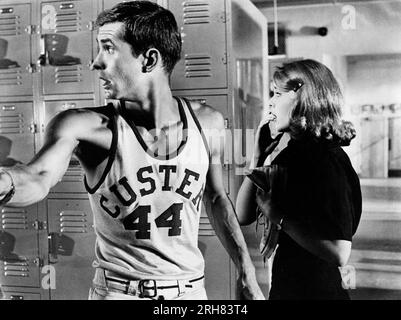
<point>146,25</point>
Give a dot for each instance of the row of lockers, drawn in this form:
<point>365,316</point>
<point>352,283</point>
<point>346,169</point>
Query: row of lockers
<point>56,43</point>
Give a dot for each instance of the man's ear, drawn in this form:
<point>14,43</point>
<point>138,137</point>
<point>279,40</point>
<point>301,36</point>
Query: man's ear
<point>151,59</point>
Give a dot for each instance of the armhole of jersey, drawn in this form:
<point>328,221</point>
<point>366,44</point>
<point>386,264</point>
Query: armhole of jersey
<point>113,148</point>
<point>191,111</point>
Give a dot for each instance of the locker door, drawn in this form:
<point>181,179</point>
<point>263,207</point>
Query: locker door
<point>15,50</point>
<point>72,181</point>
<point>16,133</point>
<point>66,50</point>
<point>19,247</point>
<point>395,145</point>
<point>203,63</point>
<point>217,275</point>
<point>71,247</point>
<point>107,4</point>
<point>217,267</point>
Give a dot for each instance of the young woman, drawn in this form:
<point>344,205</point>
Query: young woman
<point>322,206</point>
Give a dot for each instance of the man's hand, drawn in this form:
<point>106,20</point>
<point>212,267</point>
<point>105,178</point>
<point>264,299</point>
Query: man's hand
<point>247,287</point>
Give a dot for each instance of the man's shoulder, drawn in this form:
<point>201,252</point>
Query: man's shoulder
<point>85,114</point>
<point>80,120</point>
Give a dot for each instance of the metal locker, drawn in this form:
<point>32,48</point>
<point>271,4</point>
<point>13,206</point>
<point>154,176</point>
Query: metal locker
<point>72,181</point>
<point>217,268</point>
<point>71,247</point>
<point>203,62</point>
<point>19,248</point>
<point>15,50</point>
<point>16,295</point>
<point>217,261</point>
<point>17,133</point>
<point>66,47</point>
<point>107,4</point>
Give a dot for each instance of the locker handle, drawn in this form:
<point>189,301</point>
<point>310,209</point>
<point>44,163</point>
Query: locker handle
<point>6,10</point>
<point>44,55</point>
<point>53,239</point>
<point>8,108</point>
<point>42,60</point>
<point>64,6</point>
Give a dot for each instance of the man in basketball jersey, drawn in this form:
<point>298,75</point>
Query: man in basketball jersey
<point>147,167</point>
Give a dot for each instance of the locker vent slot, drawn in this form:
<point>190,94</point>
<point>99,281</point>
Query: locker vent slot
<point>11,77</point>
<point>18,268</point>
<point>205,228</point>
<point>12,123</point>
<point>10,25</point>
<point>68,74</point>
<point>198,66</point>
<point>72,221</point>
<point>68,22</point>
<point>196,12</point>
<point>16,219</point>
<point>74,173</point>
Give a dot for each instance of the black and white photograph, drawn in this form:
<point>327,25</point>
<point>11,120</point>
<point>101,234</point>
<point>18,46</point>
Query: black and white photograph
<point>200,150</point>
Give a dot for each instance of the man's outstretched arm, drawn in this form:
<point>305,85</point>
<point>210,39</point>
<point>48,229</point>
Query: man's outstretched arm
<point>32,182</point>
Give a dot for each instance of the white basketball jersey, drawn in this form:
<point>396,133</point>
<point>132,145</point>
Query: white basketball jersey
<point>147,208</point>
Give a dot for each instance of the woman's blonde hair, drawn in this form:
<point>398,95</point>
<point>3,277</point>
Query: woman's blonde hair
<point>317,114</point>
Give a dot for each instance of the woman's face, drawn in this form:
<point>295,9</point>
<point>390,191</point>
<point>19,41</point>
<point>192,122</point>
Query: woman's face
<point>281,105</point>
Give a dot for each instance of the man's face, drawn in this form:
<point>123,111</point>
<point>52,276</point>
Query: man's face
<point>120,72</point>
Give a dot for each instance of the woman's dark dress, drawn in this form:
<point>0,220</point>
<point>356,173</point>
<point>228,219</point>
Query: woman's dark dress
<point>323,192</point>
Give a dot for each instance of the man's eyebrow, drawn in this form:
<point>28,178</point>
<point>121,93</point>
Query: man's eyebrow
<point>106,40</point>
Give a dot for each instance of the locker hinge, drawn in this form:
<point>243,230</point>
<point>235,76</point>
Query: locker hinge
<point>39,225</point>
<point>33,128</point>
<point>226,123</point>
<point>31,68</point>
<point>224,59</point>
<point>91,25</point>
<point>38,262</point>
<point>31,29</point>
<point>226,166</point>
<point>223,17</point>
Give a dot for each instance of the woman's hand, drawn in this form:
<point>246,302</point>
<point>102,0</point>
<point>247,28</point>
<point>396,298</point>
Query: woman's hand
<point>262,139</point>
<point>268,208</point>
